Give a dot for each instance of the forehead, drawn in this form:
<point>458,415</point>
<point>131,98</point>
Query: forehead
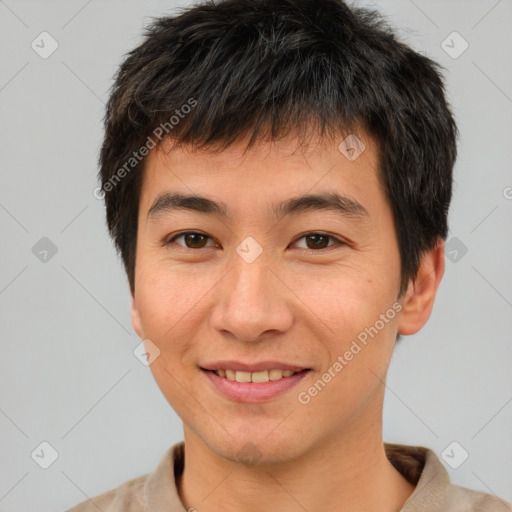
<point>268,171</point>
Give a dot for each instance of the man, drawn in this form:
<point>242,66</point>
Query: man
<point>277,178</point>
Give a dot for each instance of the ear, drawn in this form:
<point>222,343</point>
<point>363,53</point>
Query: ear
<point>136,323</point>
<point>419,299</point>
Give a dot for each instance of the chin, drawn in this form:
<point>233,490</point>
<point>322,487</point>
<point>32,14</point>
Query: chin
<point>255,447</point>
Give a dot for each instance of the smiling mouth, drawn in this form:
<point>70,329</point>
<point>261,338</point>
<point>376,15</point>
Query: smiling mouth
<point>256,377</point>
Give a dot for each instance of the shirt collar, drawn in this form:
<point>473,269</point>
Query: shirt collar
<point>419,465</point>
<point>422,468</point>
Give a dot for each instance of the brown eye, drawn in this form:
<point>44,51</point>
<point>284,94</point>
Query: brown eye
<point>318,241</point>
<point>195,240</point>
<point>192,239</point>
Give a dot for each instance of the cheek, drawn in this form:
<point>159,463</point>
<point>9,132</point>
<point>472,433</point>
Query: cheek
<point>345,299</point>
<point>359,322</point>
<point>359,352</point>
<point>168,306</point>
<point>167,300</point>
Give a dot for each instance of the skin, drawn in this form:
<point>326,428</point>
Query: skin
<point>198,305</point>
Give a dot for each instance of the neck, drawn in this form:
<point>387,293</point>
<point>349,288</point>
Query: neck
<point>346,472</point>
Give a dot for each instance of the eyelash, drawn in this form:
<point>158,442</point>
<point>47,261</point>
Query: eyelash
<point>168,241</point>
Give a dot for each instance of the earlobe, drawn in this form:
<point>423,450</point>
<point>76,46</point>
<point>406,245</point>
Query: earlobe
<point>135,315</point>
<point>419,299</point>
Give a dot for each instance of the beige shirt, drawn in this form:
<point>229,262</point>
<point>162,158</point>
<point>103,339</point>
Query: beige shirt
<point>157,492</point>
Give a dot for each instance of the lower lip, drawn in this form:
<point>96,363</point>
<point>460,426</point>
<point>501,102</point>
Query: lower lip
<point>254,392</point>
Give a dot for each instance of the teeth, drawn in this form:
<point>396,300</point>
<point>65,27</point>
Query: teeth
<point>259,376</point>
<point>243,376</point>
<point>263,376</point>
<point>275,374</point>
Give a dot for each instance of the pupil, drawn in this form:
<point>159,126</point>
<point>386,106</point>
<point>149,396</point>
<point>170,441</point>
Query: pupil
<point>190,238</point>
<point>315,239</point>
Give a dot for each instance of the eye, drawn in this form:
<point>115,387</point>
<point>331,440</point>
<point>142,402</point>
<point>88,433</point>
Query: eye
<point>317,241</point>
<point>193,239</point>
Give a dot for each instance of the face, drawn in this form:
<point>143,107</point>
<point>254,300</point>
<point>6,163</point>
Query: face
<point>249,286</point>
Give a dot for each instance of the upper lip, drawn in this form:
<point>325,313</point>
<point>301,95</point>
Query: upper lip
<point>252,367</point>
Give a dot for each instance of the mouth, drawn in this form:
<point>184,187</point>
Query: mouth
<point>260,385</point>
<point>272,374</point>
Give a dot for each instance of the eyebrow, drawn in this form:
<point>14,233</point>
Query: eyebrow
<point>345,206</point>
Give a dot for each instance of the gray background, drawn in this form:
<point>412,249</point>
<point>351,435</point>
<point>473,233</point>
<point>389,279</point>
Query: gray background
<point>69,376</point>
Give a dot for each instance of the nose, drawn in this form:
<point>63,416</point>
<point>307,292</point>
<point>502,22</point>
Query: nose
<point>252,302</point>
